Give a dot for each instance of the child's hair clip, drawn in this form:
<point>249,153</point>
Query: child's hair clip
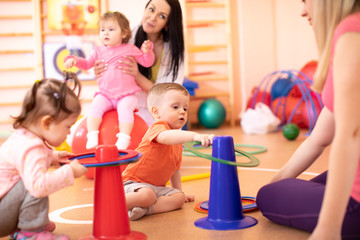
<point>56,95</point>
<point>37,81</point>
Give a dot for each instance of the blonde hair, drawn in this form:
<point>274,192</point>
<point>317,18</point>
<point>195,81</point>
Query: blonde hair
<point>121,20</point>
<point>158,90</point>
<point>58,99</point>
<point>326,16</point>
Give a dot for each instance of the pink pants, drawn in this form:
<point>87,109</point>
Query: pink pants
<point>125,107</point>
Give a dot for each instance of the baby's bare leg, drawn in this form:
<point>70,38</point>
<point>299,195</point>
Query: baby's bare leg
<point>169,203</point>
<point>143,197</point>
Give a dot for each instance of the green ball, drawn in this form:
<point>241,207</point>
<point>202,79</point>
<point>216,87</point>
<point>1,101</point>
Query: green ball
<point>291,131</point>
<point>211,113</point>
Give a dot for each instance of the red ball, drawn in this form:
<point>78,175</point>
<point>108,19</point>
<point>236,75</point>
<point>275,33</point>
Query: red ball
<point>301,116</point>
<point>258,96</point>
<point>107,135</point>
<point>91,8</point>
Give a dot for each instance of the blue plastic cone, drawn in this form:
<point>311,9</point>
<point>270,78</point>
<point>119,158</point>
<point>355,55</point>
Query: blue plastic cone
<point>225,206</point>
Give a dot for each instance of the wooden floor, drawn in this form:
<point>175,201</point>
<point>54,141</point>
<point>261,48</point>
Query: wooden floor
<point>179,225</point>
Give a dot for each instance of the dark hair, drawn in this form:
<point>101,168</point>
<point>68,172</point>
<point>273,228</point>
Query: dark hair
<point>122,21</point>
<point>174,35</point>
<point>56,98</point>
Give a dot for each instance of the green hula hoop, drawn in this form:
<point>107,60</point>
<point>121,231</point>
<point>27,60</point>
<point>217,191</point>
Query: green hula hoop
<point>254,161</point>
<point>261,149</point>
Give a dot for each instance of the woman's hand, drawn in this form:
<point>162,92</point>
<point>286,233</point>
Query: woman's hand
<point>99,68</point>
<point>129,66</point>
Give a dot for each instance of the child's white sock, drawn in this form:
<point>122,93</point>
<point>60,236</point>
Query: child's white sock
<point>138,212</point>
<point>123,141</point>
<point>92,139</point>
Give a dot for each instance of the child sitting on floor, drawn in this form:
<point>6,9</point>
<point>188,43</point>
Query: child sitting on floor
<point>161,148</point>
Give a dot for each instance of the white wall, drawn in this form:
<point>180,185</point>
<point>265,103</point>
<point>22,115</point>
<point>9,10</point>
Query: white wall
<point>133,9</point>
<point>271,36</point>
<point>257,43</point>
<point>294,36</point>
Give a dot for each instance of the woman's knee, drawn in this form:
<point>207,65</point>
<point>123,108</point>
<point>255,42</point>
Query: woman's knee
<point>261,195</point>
<point>269,195</point>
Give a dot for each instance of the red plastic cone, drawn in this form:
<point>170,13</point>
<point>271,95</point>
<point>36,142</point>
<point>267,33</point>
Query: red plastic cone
<point>111,219</point>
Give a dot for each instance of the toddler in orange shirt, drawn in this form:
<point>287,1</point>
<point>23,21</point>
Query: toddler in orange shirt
<point>161,148</point>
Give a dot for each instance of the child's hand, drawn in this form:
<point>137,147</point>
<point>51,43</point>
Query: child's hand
<point>189,198</point>
<point>70,63</point>
<point>59,156</point>
<point>77,168</point>
<point>146,46</point>
<point>205,139</point>
<point>65,154</point>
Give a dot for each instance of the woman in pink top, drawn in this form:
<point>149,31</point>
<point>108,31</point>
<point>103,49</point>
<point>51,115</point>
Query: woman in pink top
<point>116,88</point>
<point>329,204</point>
<point>49,109</point>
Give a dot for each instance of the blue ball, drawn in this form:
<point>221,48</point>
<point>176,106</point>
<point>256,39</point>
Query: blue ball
<point>211,113</point>
<point>281,87</point>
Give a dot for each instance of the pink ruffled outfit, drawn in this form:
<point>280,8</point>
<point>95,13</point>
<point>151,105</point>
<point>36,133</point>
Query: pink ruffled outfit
<point>115,85</point>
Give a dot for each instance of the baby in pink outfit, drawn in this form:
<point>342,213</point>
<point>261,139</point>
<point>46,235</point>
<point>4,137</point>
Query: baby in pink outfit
<point>116,88</point>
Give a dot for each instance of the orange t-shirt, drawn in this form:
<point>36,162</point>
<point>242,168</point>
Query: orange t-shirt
<point>158,161</point>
